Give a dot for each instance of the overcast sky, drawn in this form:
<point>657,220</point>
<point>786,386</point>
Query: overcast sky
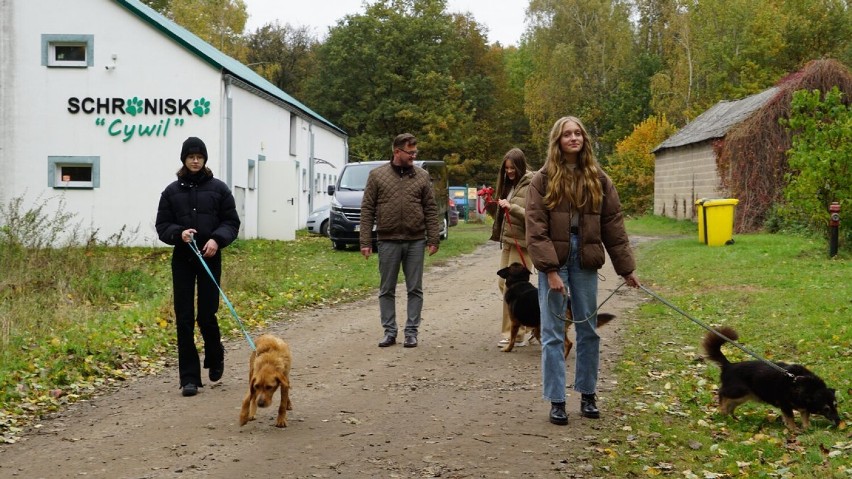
<point>503,18</point>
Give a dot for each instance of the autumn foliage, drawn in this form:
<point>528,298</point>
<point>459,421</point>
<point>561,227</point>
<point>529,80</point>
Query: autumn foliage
<point>632,166</point>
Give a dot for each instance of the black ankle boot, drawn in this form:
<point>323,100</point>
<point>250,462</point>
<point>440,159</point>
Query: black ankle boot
<point>557,414</point>
<point>588,407</point>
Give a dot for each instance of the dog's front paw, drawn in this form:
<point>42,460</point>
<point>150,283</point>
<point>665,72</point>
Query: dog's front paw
<point>245,418</point>
<point>281,422</point>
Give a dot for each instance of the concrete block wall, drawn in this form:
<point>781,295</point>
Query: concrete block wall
<point>683,175</point>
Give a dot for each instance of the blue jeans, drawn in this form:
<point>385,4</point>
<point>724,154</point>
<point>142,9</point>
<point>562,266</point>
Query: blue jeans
<point>583,287</point>
<point>409,254</point>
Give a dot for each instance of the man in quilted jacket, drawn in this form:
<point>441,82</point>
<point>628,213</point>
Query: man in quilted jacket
<point>399,203</point>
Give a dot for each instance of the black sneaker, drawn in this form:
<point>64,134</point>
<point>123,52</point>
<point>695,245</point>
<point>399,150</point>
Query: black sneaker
<point>189,389</point>
<point>217,371</point>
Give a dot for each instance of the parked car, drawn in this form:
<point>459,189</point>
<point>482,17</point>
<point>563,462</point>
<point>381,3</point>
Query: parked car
<point>345,216</point>
<point>459,196</point>
<point>452,213</point>
<point>318,220</point>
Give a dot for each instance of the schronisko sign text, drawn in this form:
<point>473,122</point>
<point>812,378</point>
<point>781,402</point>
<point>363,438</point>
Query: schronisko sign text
<point>139,117</point>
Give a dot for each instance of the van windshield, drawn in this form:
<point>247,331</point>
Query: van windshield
<point>354,176</point>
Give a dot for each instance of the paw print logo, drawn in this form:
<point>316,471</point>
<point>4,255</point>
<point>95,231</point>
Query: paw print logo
<point>201,107</point>
<point>134,106</point>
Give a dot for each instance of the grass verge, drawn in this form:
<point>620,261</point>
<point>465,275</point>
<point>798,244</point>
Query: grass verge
<point>74,321</point>
<point>788,301</point>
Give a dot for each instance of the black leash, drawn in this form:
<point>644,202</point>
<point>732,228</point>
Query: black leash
<point>717,333</point>
<point>696,321</point>
<point>594,313</point>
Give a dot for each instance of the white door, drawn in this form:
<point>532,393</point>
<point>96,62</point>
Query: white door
<point>240,200</point>
<point>278,200</point>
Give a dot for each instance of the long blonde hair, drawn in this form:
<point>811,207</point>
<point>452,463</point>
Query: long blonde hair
<point>580,185</point>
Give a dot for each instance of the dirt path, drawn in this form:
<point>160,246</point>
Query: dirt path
<point>454,407</point>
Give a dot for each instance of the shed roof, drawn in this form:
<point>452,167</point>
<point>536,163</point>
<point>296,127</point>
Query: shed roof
<point>216,58</point>
<point>718,120</point>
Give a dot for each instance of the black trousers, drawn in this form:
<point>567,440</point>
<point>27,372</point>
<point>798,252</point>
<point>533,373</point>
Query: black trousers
<point>187,271</point>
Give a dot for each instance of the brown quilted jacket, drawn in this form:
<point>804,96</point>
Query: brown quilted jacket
<point>549,235</point>
<point>401,205</point>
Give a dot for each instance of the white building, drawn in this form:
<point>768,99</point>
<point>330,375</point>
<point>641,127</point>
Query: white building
<point>97,96</point>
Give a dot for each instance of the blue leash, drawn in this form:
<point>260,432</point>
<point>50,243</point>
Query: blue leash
<point>195,250</point>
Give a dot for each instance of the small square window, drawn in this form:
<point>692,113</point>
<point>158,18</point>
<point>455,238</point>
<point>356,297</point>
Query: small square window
<point>76,174</point>
<point>67,50</point>
<point>73,172</point>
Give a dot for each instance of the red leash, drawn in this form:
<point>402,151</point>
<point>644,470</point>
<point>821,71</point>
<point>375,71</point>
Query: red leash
<point>486,192</point>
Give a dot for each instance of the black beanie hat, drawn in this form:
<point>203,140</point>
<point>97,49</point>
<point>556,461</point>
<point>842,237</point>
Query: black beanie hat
<point>193,145</point>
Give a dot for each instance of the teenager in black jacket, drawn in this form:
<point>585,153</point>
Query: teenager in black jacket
<point>201,207</point>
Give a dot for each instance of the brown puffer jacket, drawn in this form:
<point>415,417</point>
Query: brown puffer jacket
<point>517,230</point>
<point>549,231</point>
<point>401,204</point>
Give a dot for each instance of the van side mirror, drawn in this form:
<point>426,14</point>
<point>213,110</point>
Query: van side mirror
<point>330,190</point>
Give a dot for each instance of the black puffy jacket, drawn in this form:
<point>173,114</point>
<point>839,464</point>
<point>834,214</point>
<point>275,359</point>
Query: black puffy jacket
<point>201,202</point>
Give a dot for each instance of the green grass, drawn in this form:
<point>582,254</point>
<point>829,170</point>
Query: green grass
<point>660,226</point>
<point>788,302</point>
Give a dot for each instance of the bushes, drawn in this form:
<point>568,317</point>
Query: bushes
<point>819,160</point>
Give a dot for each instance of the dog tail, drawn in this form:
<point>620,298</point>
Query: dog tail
<point>713,345</point>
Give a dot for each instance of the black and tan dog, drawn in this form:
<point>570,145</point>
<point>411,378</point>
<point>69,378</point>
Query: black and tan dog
<point>269,370</point>
<point>522,299</point>
<point>756,380</point>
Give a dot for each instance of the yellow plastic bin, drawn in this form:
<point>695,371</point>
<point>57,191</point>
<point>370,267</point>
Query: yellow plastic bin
<point>716,220</point>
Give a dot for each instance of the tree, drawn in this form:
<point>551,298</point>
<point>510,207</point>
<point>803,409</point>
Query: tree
<point>816,29</point>
<point>739,41</point>
<point>820,169</point>
<point>218,22</point>
<point>580,52</point>
<point>632,166</point>
<point>406,65</point>
<point>284,55</point>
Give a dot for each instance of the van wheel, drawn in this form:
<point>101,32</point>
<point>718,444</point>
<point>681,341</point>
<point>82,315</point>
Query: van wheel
<point>445,233</point>
<point>338,245</point>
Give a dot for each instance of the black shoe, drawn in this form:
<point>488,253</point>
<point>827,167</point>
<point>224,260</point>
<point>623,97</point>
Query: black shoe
<point>410,342</point>
<point>216,371</point>
<point>588,407</point>
<point>557,414</point>
<point>388,341</point>
<point>189,389</point>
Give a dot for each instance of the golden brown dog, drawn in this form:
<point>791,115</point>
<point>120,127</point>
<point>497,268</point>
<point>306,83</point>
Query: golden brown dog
<point>522,299</point>
<point>269,369</point>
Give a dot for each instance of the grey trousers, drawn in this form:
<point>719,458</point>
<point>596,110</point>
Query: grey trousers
<point>409,254</point>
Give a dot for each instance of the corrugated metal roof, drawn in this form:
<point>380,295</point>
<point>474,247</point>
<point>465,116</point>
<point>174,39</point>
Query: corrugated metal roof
<point>718,120</point>
<point>214,57</point>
